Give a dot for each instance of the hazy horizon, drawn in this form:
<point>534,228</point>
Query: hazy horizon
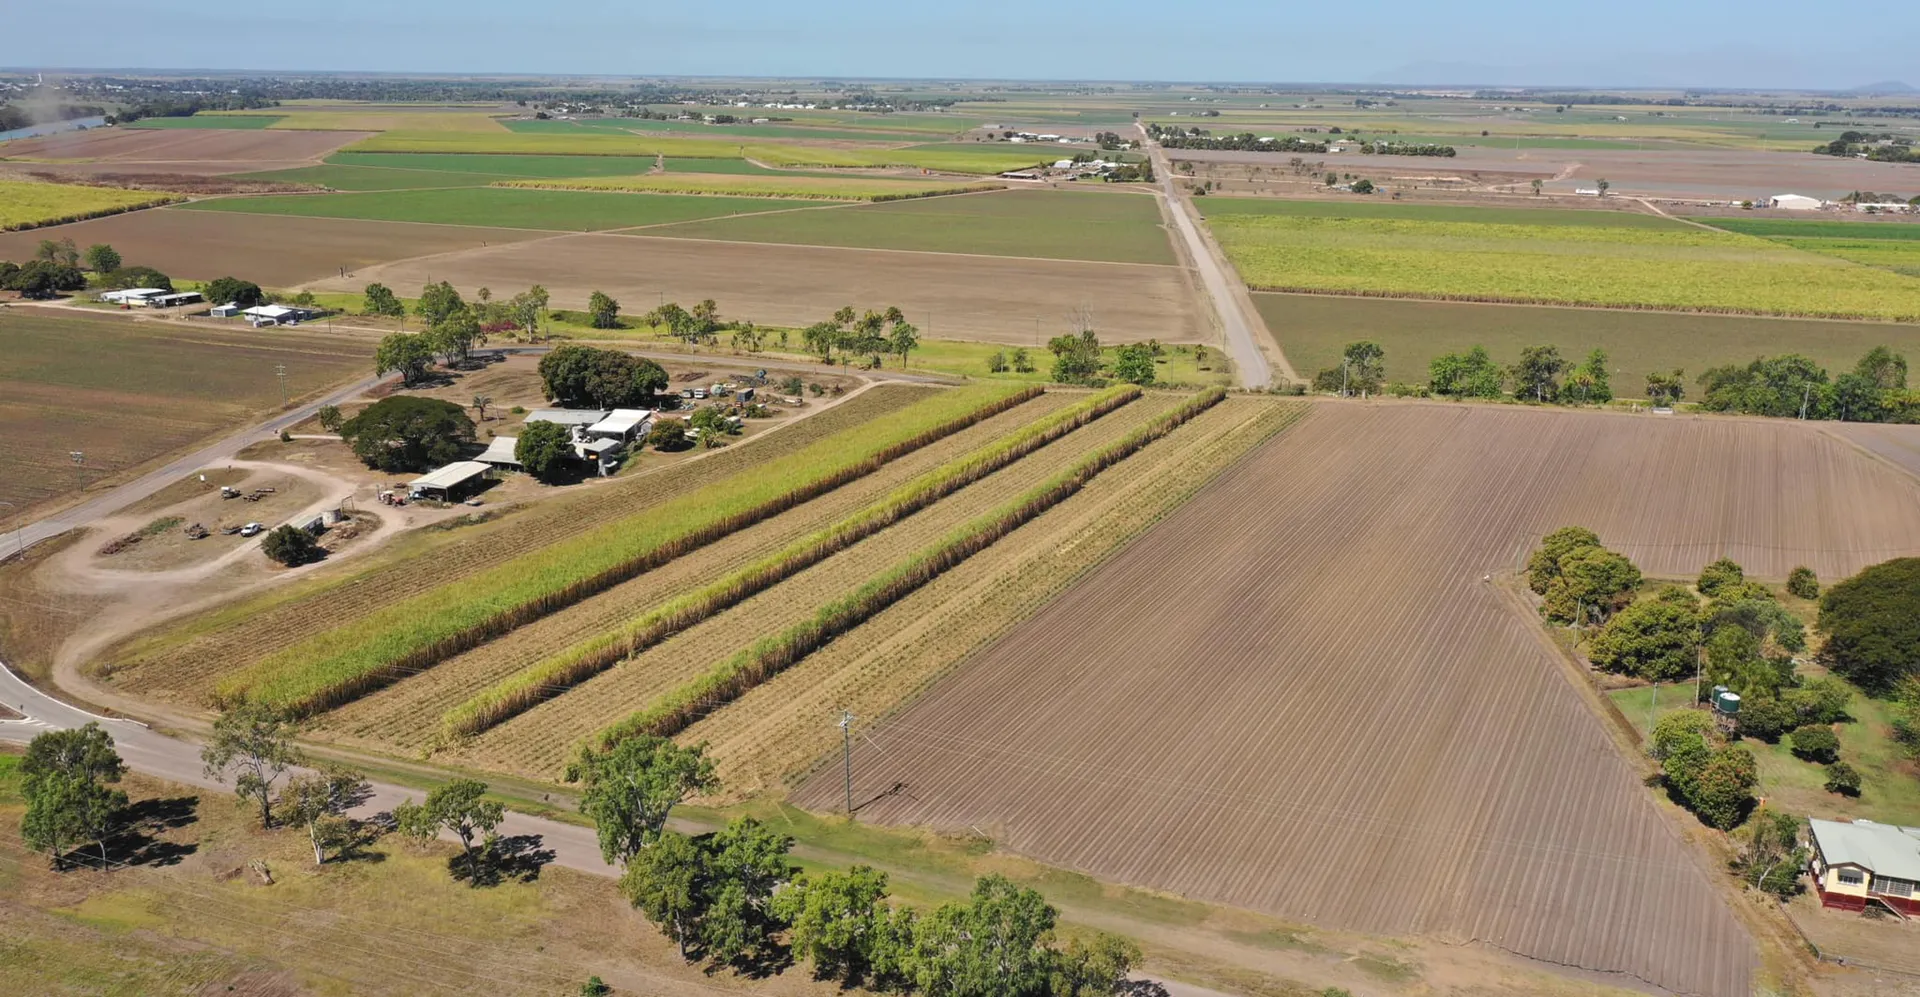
<point>1637,43</point>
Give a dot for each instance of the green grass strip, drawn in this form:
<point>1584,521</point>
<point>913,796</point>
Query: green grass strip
<point>557,673</point>
<point>728,680</point>
<point>348,661</point>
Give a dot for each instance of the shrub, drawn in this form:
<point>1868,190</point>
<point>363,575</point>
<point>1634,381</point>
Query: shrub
<point>1872,623</point>
<point>330,418</point>
<point>997,362</point>
<point>1544,566</point>
<point>1657,641</point>
<point>1842,779</point>
<point>291,546</point>
<point>1816,743</point>
<point>1804,583</point>
<point>1765,718</point>
<point>544,449</point>
<point>1718,575</point>
<point>1821,701</point>
<point>667,434</point>
<point>1724,789</point>
<point>1677,727</point>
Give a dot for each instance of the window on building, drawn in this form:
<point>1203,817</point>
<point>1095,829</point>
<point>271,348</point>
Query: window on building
<point>1851,877</point>
<point>1894,887</point>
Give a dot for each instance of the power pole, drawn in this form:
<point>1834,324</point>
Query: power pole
<point>280,371</point>
<point>846,755</point>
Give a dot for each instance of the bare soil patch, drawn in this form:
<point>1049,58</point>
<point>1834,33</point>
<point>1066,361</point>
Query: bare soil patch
<point>1006,300</point>
<point>184,150</point>
<point>273,251</point>
<point>1302,679</point>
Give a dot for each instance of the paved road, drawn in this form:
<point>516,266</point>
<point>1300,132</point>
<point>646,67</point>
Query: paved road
<point>1248,358</point>
<point>177,760</point>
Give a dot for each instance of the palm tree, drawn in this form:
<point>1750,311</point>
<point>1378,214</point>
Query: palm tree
<point>480,403</point>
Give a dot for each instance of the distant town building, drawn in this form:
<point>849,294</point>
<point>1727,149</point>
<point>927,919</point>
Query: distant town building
<point>1795,202</point>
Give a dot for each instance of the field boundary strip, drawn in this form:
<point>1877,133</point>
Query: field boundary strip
<point>874,191</point>
<point>349,661</point>
<point>560,672</point>
<point>728,680</point>
<point>1623,306</point>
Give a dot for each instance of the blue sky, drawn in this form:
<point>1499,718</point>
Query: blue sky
<point>1631,42</point>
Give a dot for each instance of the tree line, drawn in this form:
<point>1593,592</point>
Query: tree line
<point>1787,386</point>
<point>1174,137</point>
<point>1882,147</point>
<point>60,267</point>
<point>734,898</point>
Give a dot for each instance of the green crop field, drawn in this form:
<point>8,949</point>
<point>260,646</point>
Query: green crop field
<point>28,204</point>
<point>1788,228</point>
<point>849,188</point>
<point>1108,226</point>
<point>1891,246</point>
<point>1221,207</point>
<point>1612,263</point>
<point>555,210</point>
<point>241,121</point>
<point>1312,329</point>
<point>372,178</point>
<point>499,167</point>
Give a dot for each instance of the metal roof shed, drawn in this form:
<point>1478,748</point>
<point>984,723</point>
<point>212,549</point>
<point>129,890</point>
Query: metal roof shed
<point>501,452</point>
<point>622,423</point>
<point>567,416</point>
<point>462,477</point>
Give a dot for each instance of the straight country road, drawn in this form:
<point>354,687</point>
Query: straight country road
<point>1223,290</point>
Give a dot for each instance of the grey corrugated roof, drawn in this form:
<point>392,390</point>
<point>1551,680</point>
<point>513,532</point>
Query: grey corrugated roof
<point>1882,849</point>
<point>452,474</point>
<point>501,451</point>
<point>567,416</point>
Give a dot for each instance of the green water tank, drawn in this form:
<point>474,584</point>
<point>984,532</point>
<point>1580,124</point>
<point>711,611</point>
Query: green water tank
<point>1727,703</point>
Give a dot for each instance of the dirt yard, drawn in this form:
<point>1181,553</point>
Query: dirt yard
<point>273,251</point>
<point>182,150</point>
<point>1015,301</point>
<point>1302,678</point>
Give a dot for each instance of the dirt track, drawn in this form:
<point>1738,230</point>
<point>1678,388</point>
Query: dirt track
<point>1401,753</point>
<point>269,250</point>
<point>995,299</point>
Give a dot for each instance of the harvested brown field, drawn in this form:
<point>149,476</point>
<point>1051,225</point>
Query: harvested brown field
<point>182,662</point>
<point>181,150</point>
<point>1297,694</point>
<point>270,250</point>
<point>1899,445</point>
<point>125,392</point>
<point>994,299</point>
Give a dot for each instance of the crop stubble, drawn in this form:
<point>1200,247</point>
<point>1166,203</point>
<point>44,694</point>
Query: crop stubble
<point>1301,677</point>
<point>185,665</point>
<point>539,742</point>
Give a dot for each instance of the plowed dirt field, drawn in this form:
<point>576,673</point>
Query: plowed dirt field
<point>1297,694</point>
<point>950,296</point>
<point>270,250</point>
<point>198,151</point>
